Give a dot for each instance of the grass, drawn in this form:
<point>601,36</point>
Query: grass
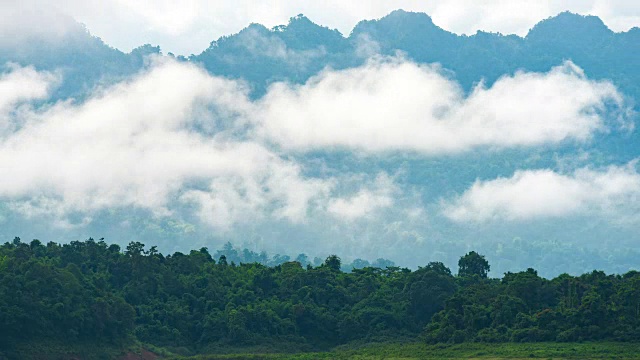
<point>407,351</point>
<point>398,351</point>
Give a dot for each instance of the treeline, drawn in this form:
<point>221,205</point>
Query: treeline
<point>238,256</point>
<point>95,292</point>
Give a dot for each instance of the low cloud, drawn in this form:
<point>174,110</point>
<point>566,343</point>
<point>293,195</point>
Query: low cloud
<point>398,105</point>
<point>262,42</point>
<point>365,202</point>
<point>174,138</point>
<point>21,23</point>
<point>536,194</point>
<point>22,84</point>
<point>171,138</point>
<point>136,144</point>
<point>276,188</point>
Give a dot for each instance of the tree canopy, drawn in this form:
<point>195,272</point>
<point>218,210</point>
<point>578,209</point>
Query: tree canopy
<point>92,291</point>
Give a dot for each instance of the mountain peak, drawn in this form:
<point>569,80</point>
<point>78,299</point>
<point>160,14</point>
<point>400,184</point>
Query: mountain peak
<point>302,33</point>
<point>303,23</point>
<point>585,26</point>
<point>403,14</point>
<point>399,25</point>
<point>300,18</point>
<point>397,19</point>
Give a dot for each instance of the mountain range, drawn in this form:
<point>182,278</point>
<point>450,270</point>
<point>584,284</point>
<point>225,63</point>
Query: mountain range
<point>297,53</point>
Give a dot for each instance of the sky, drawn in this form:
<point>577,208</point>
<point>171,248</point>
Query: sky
<point>187,27</point>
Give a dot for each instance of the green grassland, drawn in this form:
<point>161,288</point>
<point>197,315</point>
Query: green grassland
<point>406,351</point>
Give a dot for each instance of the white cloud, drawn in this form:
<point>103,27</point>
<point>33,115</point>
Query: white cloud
<point>535,194</point>
<point>366,201</point>
<point>174,136</point>
<point>134,145</point>
<point>270,46</point>
<point>267,46</point>
<point>22,22</point>
<point>188,26</point>
<point>140,144</point>
<point>393,104</point>
<point>21,84</point>
<point>231,200</point>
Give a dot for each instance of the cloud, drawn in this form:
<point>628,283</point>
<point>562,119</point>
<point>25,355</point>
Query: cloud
<point>264,44</point>
<point>169,139</point>
<point>22,84</point>
<point>394,104</point>
<point>366,201</point>
<point>539,194</point>
<point>174,137</point>
<point>22,22</point>
<point>277,188</point>
<point>136,144</point>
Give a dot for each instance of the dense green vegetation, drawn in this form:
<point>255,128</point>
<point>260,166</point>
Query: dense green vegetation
<point>92,292</point>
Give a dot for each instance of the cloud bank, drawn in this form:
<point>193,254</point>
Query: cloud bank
<point>22,22</point>
<point>175,138</point>
<point>535,194</point>
<point>136,145</point>
<point>22,84</point>
<point>394,104</point>
<point>366,201</point>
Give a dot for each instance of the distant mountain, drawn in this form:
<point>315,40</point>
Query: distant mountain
<point>301,49</point>
<point>298,50</point>
<point>285,53</point>
<point>83,60</point>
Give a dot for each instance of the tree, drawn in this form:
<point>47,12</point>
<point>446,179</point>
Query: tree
<point>134,248</point>
<point>303,259</point>
<point>333,262</point>
<point>473,264</point>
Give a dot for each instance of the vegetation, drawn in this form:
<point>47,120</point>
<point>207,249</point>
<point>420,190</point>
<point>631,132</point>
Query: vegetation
<point>412,351</point>
<point>93,293</point>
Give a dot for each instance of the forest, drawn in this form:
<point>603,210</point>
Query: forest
<point>97,293</point>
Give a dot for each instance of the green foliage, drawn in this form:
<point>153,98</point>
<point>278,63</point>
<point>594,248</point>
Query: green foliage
<point>92,293</point>
<point>473,264</point>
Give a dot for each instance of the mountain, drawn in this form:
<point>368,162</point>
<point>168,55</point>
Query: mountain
<point>301,49</point>
<point>84,61</point>
<point>298,50</point>
<point>262,56</point>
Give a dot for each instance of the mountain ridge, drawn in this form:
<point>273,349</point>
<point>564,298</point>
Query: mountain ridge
<point>412,33</point>
<point>294,53</point>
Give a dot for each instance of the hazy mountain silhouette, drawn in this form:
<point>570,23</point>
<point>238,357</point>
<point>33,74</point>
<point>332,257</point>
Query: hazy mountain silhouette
<point>300,49</point>
<point>583,39</point>
<point>83,60</point>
